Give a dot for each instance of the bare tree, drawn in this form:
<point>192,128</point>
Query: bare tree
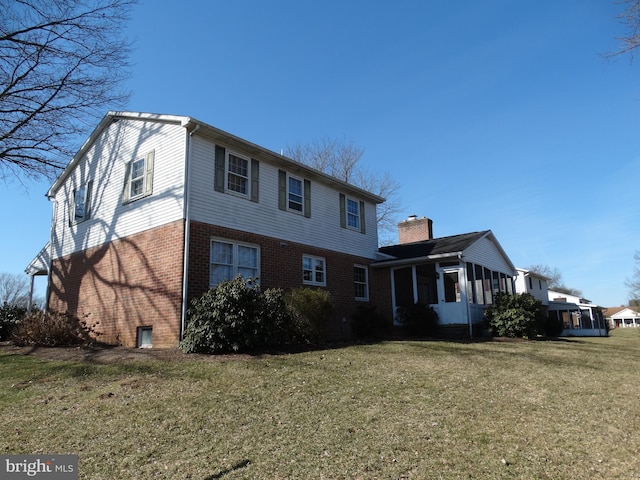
<point>630,17</point>
<point>634,282</point>
<point>340,159</point>
<point>61,64</point>
<point>14,290</point>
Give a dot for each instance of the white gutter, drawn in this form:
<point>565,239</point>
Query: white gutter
<point>187,124</point>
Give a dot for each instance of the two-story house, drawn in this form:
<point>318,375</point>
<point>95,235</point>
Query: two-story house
<point>154,210</point>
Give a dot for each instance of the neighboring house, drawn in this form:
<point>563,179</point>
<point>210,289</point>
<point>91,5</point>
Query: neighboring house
<point>458,275</point>
<point>579,316</point>
<point>155,209</point>
<point>534,284</point>
<point>622,317</point>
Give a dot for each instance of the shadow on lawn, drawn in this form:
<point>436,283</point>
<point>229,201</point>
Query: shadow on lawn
<point>222,473</point>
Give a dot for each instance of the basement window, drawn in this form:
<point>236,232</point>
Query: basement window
<point>144,337</point>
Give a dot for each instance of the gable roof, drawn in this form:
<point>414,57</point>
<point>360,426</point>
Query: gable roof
<point>193,125</point>
<point>621,312</point>
<point>436,248</point>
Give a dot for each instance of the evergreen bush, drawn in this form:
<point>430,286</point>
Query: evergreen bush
<point>515,316</point>
<point>309,309</point>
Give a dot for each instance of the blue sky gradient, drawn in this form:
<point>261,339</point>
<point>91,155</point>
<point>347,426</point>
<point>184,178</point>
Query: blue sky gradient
<point>500,115</point>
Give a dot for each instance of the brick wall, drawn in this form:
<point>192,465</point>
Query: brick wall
<point>281,267</point>
<point>125,284</point>
<point>415,230</point>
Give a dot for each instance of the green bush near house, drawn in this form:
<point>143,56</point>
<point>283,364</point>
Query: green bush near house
<point>516,316</point>
<point>9,316</point>
<point>419,320</point>
<point>309,309</point>
<point>236,316</point>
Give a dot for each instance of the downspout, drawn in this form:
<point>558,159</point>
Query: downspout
<point>187,225</point>
<point>54,209</point>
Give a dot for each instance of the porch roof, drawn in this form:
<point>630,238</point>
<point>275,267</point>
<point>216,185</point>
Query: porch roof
<point>434,248</point>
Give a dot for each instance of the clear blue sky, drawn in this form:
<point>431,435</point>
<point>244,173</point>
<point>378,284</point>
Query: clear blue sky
<point>499,115</point>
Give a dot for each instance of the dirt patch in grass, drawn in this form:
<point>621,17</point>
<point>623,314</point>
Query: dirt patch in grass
<point>108,354</point>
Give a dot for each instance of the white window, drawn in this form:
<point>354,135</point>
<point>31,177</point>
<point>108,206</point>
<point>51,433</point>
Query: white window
<point>139,178</point>
<point>361,282</point>
<point>353,214</point>
<point>145,337</point>
<point>229,259</point>
<point>313,271</point>
<point>238,174</point>
<point>80,203</point>
<point>295,194</point>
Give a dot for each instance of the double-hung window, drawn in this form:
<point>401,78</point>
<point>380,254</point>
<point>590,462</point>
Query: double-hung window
<point>236,174</point>
<point>80,203</point>
<point>138,180</point>
<point>296,199</point>
<point>313,270</point>
<point>352,213</point>
<point>229,259</point>
<point>361,282</point>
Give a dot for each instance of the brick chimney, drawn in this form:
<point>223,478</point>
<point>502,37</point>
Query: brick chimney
<point>415,229</point>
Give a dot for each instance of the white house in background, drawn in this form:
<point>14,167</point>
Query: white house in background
<point>579,316</point>
<point>533,283</point>
<point>622,317</point>
<point>458,276</point>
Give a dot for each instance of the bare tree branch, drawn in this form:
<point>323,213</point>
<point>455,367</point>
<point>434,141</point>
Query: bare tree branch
<point>340,159</point>
<point>61,66</point>
<point>630,17</point>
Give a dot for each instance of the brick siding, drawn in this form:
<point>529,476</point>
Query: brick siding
<point>125,284</point>
<point>281,267</point>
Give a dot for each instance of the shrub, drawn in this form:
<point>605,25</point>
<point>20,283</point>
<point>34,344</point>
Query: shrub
<point>515,316</point>
<point>9,316</point>
<point>419,320</point>
<point>366,322</point>
<point>55,330</point>
<point>309,309</point>
<point>275,318</point>
<point>225,318</point>
<point>553,326</point>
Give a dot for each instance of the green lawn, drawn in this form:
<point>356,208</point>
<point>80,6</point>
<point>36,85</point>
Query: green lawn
<point>555,409</point>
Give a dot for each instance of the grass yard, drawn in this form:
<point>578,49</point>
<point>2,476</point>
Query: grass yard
<point>394,410</point>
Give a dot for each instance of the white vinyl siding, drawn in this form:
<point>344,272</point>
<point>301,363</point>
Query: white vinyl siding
<point>105,162</point>
<point>321,228</point>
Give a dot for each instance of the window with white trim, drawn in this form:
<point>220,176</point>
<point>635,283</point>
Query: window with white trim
<point>80,203</point>
<point>238,174</point>
<point>361,282</point>
<point>313,270</point>
<point>353,214</point>
<point>228,259</point>
<point>138,180</point>
<point>295,194</point>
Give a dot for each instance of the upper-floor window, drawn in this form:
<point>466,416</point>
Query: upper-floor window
<point>138,180</point>
<point>80,203</point>
<point>294,193</point>
<point>229,259</point>
<point>296,200</point>
<point>236,173</point>
<point>313,270</point>
<point>352,213</point>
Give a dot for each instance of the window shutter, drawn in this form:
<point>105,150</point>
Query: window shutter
<point>362,229</point>
<point>219,169</point>
<point>307,198</point>
<point>282,190</point>
<point>255,180</point>
<point>343,211</point>
<point>149,172</point>
<point>127,179</point>
<point>87,200</point>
